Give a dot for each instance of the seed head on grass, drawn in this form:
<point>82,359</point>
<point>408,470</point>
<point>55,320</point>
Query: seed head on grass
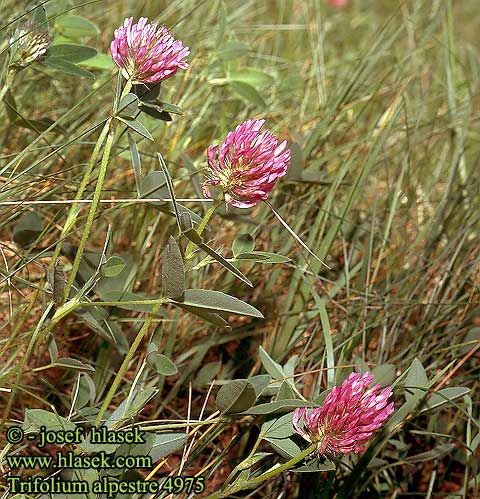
<point>349,416</point>
<point>247,164</point>
<point>29,44</point>
<point>147,53</point>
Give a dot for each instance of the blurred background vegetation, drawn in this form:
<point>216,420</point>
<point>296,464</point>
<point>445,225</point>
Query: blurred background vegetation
<point>379,102</point>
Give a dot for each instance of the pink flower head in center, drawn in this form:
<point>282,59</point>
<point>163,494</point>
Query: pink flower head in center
<point>247,164</point>
<point>349,416</point>
<point>146,53</point>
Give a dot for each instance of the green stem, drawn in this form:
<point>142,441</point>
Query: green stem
<point>75,209</point>
<point>206,218</point>
<point>96,197</point>
<point>8,83</point>
<point>245,463</point>
<point>92,212</point>
<point>265,476</point>
<point>126,362</point>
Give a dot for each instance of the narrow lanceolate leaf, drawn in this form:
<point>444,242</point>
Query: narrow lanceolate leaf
<point>71,52</point>
<point>173,272</point>
<point>137,126</point>
<point>73,26</point>
<point>279,406</point>
<point>136,162</point>
<point>198,240</point>
<point>128,106</point>
<point>248,93</point>
<point>211,317</point>
<point>218,302</point>
<point>68,68</point>
<point>416,383</point>
<point>162,106</point>
<point>72,364</point>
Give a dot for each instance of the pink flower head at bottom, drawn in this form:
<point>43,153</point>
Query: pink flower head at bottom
<point>247,164</point>
<point>349,416</point>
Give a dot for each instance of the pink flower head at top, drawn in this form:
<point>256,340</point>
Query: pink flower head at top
<point>247,164</point>
<point>349,416</point>
<point>146,53</point>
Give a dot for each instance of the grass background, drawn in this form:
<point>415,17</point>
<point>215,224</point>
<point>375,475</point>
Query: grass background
<point>379,103</point>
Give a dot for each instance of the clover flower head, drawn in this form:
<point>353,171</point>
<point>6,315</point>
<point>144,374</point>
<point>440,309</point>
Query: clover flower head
<point>247,164</point>
<point>146,53</point>
<point>28,44</point>
<point>348,417</point>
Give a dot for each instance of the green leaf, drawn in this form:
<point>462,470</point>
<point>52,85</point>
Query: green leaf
<point>73,26</point>
<point>39,18</point>
<point>70,52</point>
<point>193,235</point>
<point>87,475</point>
<point>36,418</point>
<point>162,106</point>
<point>260,382</point>
<point>278,427</point>
<point>263,257</point>
<point>128,106</point>
<point>384,374</point>
<point>52,347</point>
<point>243,244</point>
<point>29,226</point>
<point>86,391</point>
<point>416,383</point>
<point>218,301</point>
<point>38,125</point>
<point>137,126</point>
<point>154,185</point>
<point>278,406</point>
<point>236,396</point>
<point>73,364</point>
<point>315,466</point>
<point>155,113</point>
<point>11,106</point>
<point>212,318</point>
<point>446,395</point>
<point>166,443</point>
<point>96,319</point>
<point>248,93</point>
<point>102,62</point>
<point>147,92</point>
<point>233,50</point>
<point>436,453</point>
<point>113,266</point>
<point>162,364</point>
<point>207,373</point>
<point>131,406</point>
<point>287,447</point>
<point>253,77</point>
<point>173,272</point>
<point>136,162</point>
<point>273,368</point>
<point>286,392</point>
<point>68,68</point>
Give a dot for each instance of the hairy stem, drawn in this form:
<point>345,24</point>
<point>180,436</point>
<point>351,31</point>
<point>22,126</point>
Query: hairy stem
<point>203,224</point>
<point>126,361</point>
